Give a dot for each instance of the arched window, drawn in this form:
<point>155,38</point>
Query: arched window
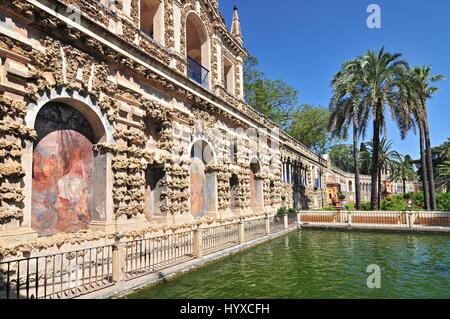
<point>68,179</point>
<point>350,186</point>
<point>197,48</point>
<point>203,183</point>
<point>256,184</point>
<point>152,19</point>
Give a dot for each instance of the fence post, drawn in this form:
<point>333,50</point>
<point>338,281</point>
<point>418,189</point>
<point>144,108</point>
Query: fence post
<point>241,231</point>
<point>267,220</point>
<point>349,218</point>
<point>285,221</point>
<point>198,241</point>
<point>118,259</point>
<point>299,218</point>
<point>409,219</point>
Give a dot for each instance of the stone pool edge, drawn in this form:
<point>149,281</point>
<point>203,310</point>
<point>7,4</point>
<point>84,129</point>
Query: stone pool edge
<point>130,286</point>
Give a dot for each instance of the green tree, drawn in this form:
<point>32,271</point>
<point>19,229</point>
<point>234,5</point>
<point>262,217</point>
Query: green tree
<point>341,155</point>
<point>274,98</point>
<point>421,89</point>
<point>403,170</point>
<point>309,125</point>
<point>380,78</point>
<point>346,111</point>
<point>387,160</point>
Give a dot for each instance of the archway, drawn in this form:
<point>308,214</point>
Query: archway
<point>197,48</point>
<point>203,183</point>
<point>256,184</point>
<point>155,178</point>
<point>234,188</point>
<point>67,176</point>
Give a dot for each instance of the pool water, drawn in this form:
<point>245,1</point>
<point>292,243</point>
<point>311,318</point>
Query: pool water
<point>322,264</point>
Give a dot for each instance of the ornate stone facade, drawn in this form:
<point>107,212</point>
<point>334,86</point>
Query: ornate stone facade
<point>147,115</point>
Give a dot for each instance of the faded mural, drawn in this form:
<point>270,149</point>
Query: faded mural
<point>63,164</point>
<point>197,183</point>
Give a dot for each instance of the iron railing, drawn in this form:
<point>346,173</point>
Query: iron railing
<point>292,220</point>
<point>276,224</point>
<point>57,276</point>
<point>254,229</point>
<point>219,237</point>
<point>197,72</point>
<point>148,255</point>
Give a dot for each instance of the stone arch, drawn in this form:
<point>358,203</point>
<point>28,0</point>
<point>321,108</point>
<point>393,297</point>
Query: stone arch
<point>203,179</point>
<point>256,184</point>
<point>68,126</point>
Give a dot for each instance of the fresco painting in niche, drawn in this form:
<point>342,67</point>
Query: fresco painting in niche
<point>63,164</point>
<point>198,181</point>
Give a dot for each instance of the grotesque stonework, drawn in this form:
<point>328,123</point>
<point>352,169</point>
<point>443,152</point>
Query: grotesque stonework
<point>118,152</point>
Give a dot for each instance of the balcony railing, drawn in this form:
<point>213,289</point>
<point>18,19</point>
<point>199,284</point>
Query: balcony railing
<point>198,73</point>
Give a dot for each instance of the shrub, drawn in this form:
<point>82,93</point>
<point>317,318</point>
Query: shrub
<point>341,196</point>
<point>282,211</point>
<point>365,206</point>
<point>443,201</point>
<point>292,211</point>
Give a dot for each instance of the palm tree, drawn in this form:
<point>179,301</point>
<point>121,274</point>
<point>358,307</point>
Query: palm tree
<point>386,162</point>
<point>403,170</point>
<point>380,77</point>
<point>346,112</point>
<point>443,171</point>
<point>422,90</point>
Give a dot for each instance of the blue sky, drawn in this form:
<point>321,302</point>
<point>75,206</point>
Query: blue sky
<point>304,42</point>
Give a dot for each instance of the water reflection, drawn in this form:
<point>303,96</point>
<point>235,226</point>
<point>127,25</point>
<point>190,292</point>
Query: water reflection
<point>322,264</point>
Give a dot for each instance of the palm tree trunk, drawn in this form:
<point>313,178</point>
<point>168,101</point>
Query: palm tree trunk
<point>423,163</point>
<point>374,204</point>
<point>429,161</point>
<point>356,163</point>
<point>380,189</point>
<point>404,186</point>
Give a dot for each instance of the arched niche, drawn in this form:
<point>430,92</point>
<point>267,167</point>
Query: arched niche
<point>197,49</point>
<point>68,179</point>
<point>203,183</point>
<point>155,185</point>
<point>234,189</point>
<point>256,184</point>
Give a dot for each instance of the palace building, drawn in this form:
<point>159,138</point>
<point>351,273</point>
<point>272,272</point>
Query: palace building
<point>119,116</point>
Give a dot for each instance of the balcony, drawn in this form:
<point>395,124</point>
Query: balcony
<point>198,73</point>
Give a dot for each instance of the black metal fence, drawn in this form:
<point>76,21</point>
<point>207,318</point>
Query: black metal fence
<point>292,220</point>
<point>219,237</point>
<point>57,276</point>
<point>254,229</point>
<point>276,224</point>
<point>145,256</point>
